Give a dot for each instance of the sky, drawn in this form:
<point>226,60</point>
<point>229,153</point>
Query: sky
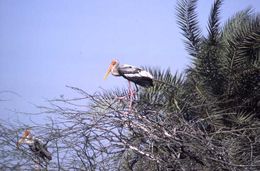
<point>46,45</point>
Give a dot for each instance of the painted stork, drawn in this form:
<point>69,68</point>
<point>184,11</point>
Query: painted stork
<point>132,74</point>
<point>36,146</point>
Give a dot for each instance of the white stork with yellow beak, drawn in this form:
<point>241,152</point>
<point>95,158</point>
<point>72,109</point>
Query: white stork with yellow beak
<point>36,146</point>
<point>132,74</point>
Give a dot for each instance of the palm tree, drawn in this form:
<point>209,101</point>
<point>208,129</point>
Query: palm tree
<point>225,67</point>
<point>223,84</point>
<point>220,91</point>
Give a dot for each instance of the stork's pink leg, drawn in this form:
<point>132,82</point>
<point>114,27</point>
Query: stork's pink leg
<point>129,89</point>
<point>131,93</point>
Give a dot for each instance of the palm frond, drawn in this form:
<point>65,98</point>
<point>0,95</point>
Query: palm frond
<point>248,49</point>
<point>241,42</point>
<point>213,25</point>
<point>187,20</point>
<point>163,93</point>
<point>235,22</point>
<point>240,35</point>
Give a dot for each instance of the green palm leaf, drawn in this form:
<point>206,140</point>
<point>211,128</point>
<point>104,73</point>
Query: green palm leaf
<point>188,23</point>
<point>214,21</point>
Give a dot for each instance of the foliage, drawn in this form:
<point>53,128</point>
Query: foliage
<point>204,119</point>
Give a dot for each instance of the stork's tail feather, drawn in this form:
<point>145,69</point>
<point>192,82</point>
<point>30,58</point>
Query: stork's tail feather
<point>47,154</point>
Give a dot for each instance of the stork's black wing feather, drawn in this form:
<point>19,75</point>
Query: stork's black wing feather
<point>136,75</point>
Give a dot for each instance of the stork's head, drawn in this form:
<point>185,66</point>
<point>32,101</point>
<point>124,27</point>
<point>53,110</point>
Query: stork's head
<point>26,135</point>
<point>111,67</point>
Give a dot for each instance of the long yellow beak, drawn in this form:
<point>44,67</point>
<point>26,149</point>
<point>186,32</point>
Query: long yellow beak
<point>19,142</point>
<point>108,71</point>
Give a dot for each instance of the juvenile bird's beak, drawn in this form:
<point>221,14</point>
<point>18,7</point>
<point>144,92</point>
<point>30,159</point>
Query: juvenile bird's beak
<point>108,71</point>
<point>19,142</point>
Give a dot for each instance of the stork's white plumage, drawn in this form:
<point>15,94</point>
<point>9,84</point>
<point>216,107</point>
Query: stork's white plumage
<point>36,146</point>
<point>132,74</point>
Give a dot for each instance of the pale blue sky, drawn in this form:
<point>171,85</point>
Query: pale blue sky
<point>47,44</point>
